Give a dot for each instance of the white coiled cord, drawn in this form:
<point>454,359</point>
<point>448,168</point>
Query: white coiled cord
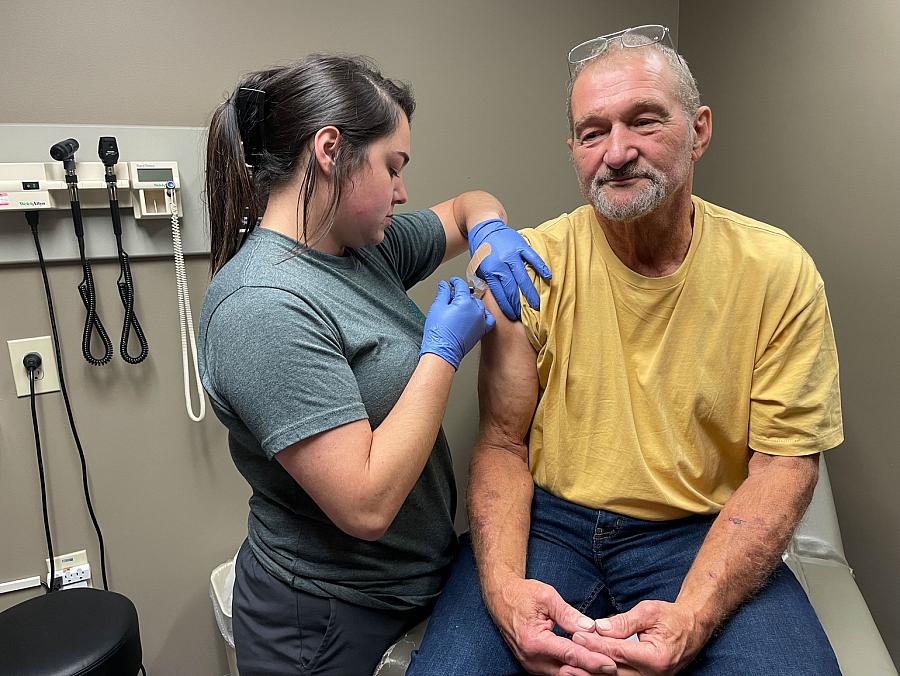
<point>185,318</point>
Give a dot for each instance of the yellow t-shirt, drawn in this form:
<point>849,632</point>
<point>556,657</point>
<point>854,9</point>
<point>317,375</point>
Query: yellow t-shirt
<point>654,390</point>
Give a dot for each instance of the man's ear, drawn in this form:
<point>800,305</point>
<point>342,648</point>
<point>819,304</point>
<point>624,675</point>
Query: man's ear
<point>702,132</point>
<point>325,147</point>
<point>571,143</point>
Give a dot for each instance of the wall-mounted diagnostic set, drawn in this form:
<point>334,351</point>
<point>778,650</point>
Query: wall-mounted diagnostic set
<point>25,186</point>
<point>150,189</point>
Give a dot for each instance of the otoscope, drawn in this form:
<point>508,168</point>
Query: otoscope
<point>108,150</point>
<point>64,152</point>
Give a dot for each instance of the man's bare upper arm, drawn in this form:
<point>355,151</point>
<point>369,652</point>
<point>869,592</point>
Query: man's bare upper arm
<point>507,384</point>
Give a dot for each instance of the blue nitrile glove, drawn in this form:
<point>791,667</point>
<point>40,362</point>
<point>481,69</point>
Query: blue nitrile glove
<point>455,323</point>
<point>503,269</point>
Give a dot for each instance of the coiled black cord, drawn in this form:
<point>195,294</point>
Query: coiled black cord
<point>125,281</point>
<point>32,218</point>
<point>92,320</point>
<point>126,293</point>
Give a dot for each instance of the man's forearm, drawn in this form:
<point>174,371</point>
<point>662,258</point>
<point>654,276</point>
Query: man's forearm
<point>747,539</point>
<point>500,492</point>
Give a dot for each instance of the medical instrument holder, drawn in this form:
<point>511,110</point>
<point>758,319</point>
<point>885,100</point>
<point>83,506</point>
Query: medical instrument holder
<point>30,186</point>
<point>64,151</point>
<point>108,151</point>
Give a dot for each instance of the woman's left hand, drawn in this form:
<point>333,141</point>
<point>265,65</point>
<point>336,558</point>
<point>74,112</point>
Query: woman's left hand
<point>504,268</point>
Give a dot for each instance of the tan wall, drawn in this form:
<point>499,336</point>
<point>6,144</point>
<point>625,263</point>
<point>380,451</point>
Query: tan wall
<point>490,81</point>
<point>805,99</point>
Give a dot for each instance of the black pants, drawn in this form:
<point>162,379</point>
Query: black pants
<point>280,630</point>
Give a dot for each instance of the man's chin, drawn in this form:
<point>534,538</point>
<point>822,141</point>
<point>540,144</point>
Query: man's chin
<point>620,211</point>
<point>620,204</point>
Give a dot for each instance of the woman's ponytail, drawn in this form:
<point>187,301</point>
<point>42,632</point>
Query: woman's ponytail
<point>229,187</point>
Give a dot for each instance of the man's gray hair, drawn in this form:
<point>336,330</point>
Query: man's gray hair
<point>686,90</point>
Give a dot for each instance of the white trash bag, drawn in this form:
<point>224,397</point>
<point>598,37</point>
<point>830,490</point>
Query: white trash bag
<point>221,591</point>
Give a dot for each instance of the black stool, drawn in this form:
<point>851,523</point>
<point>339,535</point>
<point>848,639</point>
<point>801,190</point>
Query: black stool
<point>88,632</point>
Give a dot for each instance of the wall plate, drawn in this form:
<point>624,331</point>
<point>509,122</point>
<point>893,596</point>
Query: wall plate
<point>46,377</point>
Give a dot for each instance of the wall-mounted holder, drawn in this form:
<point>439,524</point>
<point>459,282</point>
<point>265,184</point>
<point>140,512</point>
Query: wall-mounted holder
<point>26,186</point>
<point>144,237</point>
<point>148,188</point>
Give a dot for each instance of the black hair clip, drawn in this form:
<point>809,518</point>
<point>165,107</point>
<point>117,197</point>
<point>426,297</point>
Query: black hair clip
<point>251,113</point>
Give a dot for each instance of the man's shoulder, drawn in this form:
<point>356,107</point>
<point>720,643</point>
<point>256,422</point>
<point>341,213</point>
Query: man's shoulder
<point>565,223</point>
<point>757,245</point>
<point>560,232</point>
<point>749,231</point>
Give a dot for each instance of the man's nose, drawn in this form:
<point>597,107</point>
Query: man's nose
<point>620,149</point>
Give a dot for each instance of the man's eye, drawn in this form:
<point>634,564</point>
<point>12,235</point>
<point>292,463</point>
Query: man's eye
<point>645,121</point>
<point>589,137</point>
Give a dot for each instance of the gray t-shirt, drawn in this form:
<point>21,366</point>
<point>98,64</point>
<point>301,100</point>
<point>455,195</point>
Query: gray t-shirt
<point>295,344</point>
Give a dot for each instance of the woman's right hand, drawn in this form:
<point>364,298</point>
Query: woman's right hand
<point>455,323</point>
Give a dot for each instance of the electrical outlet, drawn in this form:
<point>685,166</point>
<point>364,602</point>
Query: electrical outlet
<point>72,570</point>
<point>76,576</point>
<point>46,376</point>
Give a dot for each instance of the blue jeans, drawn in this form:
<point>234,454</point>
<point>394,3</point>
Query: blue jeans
<point>604,563</point>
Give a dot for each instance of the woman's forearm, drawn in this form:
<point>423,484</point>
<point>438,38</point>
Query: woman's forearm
<point>461,213</point>
<point>402,443</point>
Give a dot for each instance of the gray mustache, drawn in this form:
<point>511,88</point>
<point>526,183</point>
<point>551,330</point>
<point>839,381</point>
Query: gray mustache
<point>628,171</point>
